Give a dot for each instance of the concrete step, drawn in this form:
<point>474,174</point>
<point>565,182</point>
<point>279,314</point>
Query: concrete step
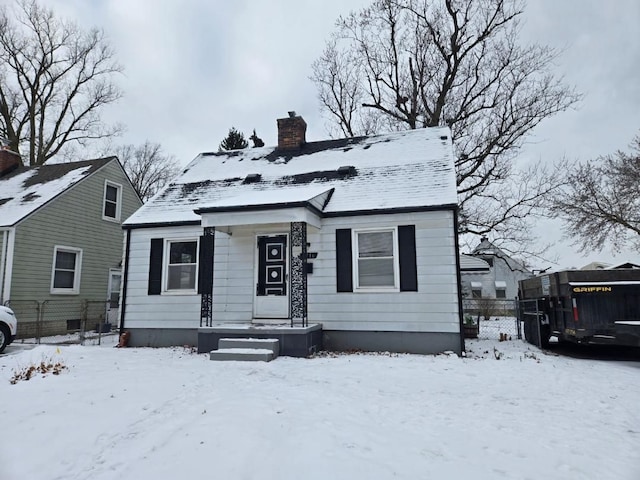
<point>262,343</point>
<point>242,354</point>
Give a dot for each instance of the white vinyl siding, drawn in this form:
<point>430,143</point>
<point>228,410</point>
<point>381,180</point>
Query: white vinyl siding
<point>157,311</point>
<point>65,275</point>
<point>433,308</point>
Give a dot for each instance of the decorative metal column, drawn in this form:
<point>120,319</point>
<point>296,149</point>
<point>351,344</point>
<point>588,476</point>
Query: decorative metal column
<point>205,280</point>
<point>298,273</point>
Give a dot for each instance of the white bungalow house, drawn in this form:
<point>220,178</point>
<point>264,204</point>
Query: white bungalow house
<point>340,244</point>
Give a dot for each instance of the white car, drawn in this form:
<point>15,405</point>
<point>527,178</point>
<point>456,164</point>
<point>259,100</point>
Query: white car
<point>8,327</point>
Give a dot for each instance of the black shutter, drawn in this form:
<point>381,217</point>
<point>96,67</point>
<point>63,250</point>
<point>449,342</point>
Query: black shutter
<point>344,267</point>
<point>262,269</point>
<point>155,266</point>
<point>205,264</point>
<point>407,258</point>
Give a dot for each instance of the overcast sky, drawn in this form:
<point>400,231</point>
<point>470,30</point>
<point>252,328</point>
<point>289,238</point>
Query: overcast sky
<point>194,68</point>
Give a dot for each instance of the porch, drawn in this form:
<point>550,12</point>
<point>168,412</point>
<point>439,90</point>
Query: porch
<point>295,341</point>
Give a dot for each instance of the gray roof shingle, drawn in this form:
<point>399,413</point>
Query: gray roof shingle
<point>400,170</point>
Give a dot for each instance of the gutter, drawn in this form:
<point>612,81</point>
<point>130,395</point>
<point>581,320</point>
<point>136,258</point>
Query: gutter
<point>3,259</point>
<point>125,280</point>
<point>305,204</point>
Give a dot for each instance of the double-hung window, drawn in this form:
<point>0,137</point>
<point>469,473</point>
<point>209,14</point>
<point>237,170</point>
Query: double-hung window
<point>112,200</point>
<point>376,259</point>
<point>65,277</point>
<point>182,265</point>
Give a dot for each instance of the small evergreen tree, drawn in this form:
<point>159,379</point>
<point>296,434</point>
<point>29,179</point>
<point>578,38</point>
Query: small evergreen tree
<point>233,141</point>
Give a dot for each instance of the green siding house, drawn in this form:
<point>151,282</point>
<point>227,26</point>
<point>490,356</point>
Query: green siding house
<point>61,242</point>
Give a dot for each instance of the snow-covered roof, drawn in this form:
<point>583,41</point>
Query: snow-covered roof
<point>487,249</point>
<point>624,265</point>
<point>596,266</point>
<point>409,169</point>
<point>26,189</point>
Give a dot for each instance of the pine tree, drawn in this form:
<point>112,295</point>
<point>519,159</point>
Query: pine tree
<point>234,141</point>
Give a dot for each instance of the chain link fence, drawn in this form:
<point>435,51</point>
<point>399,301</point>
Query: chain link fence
<point>61,321</point>
<point>491,318</point>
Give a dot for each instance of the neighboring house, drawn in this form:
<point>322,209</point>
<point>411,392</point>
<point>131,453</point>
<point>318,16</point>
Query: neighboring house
<point>501,281</point>
<point>356,237</point>
<point>596,266</point>
<point>471,269</point>
<point>608,266</point>
<point>624,265</point>
<point>61,239</point>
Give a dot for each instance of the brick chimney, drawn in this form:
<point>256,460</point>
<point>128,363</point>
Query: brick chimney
<point>9,160</point>
<point>291,132</point>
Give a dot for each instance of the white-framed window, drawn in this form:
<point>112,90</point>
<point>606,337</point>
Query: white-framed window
<point>65,273</point>
<point>376,259</point>
<point>112,200</point>
<point>181,266</point>
<point>501,289</point>
<point>476,289</point>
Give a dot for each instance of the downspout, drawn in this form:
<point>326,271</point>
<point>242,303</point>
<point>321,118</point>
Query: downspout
<point>3,259</point>
<point>125,279</point>
<point>6,263</point>
<point>459,278</point>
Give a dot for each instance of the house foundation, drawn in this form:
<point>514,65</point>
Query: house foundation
<point>294,341</point>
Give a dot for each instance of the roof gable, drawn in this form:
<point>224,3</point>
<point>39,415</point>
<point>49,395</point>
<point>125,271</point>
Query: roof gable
<point>27,189</point>
<point>486,248</point>
<point>409,169</point>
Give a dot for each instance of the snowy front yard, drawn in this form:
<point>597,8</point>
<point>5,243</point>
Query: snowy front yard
<point>171,414</point>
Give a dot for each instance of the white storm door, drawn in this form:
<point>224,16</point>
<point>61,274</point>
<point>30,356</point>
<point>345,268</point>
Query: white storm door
<point>272,275</point>
<point>113,299</point>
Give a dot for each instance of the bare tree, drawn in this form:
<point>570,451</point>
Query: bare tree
<point>54,79</point>
<point>406,64</point>
<point>600,201</point>
<point>149,169</point>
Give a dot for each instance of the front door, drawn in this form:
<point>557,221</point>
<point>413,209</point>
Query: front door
<point>272,275</point>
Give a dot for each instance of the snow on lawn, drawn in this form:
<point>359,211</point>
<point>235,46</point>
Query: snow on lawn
<point>142,413</point>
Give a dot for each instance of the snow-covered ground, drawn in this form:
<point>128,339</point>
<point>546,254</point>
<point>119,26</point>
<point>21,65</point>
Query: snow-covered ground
<point>141,413</point>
